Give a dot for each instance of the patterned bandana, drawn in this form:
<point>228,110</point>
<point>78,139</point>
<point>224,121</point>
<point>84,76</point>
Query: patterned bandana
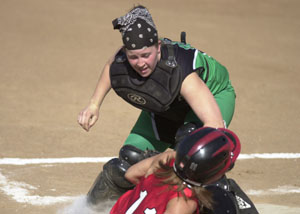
<point>137,29</point>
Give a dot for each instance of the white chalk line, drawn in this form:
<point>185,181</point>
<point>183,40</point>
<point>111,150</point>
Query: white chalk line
<point>21,192</point>
<point>281,190</point>
<point>269,156</point>
<point>24,161</point>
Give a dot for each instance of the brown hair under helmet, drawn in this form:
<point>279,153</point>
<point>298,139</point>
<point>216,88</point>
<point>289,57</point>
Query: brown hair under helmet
<point>137,28</point>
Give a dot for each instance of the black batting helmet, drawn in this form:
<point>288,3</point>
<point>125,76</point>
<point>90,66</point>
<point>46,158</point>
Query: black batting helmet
<point>205,155</point>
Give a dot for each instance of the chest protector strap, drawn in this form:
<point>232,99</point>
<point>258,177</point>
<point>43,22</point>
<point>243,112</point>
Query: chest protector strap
<point>154,93</point>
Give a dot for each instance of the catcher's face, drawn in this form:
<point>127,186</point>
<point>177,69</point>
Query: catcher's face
<point>144,60</point>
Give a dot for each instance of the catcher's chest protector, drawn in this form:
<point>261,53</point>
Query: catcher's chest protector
<point>154,93</point>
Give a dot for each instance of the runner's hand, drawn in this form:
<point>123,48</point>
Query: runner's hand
<point>162,157</point>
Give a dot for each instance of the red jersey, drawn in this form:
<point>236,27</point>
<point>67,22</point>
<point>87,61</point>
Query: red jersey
<point>148,197</point>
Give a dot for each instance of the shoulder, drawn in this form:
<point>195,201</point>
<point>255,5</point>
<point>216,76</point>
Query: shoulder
<point>119,55</point>
<point>182,51</point>
<point>179,205</point>
<point>186,57</point>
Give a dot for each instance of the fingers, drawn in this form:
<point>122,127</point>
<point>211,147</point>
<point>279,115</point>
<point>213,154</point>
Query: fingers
<point>92,120</point>
<point>84,120</point>
<point>88,117</point>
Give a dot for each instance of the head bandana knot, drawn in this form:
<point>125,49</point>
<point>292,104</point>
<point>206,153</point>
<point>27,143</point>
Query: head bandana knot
<point>137,28</point>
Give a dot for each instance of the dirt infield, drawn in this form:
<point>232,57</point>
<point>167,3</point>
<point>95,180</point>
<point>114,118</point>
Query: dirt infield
<point>51,55</point>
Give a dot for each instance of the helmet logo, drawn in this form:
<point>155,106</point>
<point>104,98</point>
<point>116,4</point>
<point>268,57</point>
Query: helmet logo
<point>136,99</point>
<point>193,166</point>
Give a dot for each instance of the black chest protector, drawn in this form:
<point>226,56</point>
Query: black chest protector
<point>154,93</point>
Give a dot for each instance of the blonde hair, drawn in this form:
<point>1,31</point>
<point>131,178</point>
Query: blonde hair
<point>168,177</point>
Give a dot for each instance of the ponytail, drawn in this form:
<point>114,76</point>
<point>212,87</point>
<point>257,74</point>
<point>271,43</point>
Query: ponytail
<point>168,177</point>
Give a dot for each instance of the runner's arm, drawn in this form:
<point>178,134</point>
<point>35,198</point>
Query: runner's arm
<point>147,166</point>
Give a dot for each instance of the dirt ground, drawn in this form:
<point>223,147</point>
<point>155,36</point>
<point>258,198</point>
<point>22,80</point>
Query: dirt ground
<point>51,55</point>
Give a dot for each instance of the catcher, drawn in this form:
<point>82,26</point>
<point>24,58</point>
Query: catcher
<point>171,82</point>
